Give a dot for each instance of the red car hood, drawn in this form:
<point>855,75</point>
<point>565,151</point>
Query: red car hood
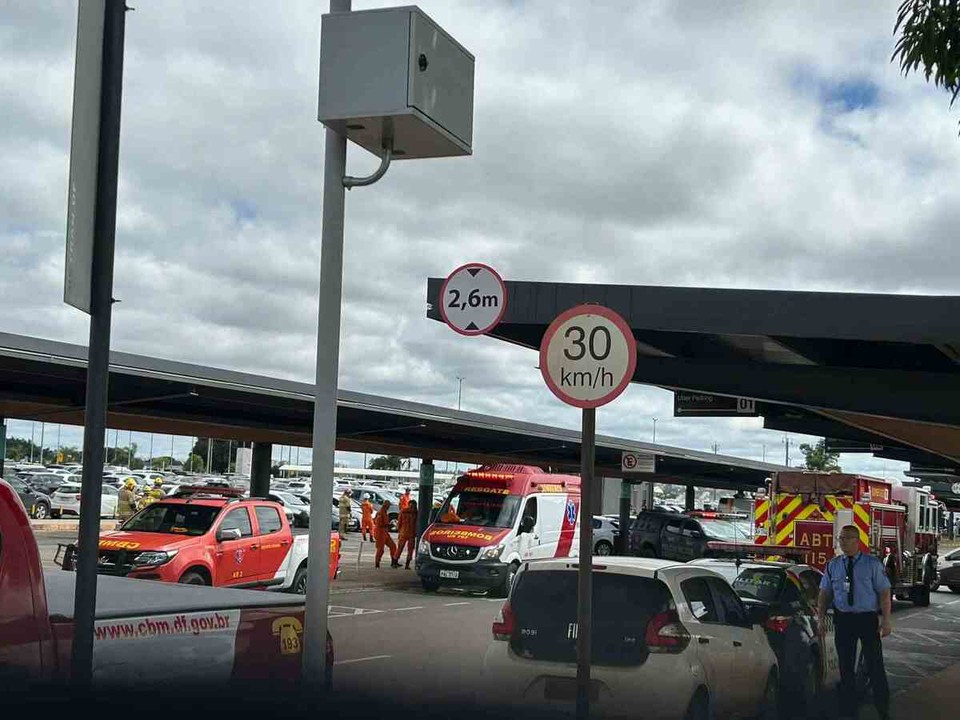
<point>470,535</point>
<point>125,540</point>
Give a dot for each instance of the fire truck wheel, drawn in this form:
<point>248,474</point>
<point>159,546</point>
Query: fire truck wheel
<point>647,551</point>
<point>192,577</point>
<point>920,596</point>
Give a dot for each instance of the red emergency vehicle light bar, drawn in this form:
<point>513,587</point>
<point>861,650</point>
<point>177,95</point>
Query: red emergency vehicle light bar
<point>487,475</point>
<point>191,490</point>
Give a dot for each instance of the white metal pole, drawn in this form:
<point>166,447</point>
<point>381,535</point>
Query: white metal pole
<point>325,402</point>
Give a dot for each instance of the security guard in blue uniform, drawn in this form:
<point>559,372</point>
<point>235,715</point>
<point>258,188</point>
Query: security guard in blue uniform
<point>858,588</point>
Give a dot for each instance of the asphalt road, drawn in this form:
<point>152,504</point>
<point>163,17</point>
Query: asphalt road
<point>408,645</point>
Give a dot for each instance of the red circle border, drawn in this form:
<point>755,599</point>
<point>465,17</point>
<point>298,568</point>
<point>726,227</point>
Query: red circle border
<point>443,292</point>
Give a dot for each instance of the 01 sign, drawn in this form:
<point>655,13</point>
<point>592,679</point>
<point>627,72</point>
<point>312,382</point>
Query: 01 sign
<point>588,356</point>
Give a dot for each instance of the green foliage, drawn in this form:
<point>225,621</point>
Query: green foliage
<point>194,463</point>
<point>386,462</point>
<point>162,462</point>
<point>817,458</point>
<point>220,460</point>
<point>930,37</point>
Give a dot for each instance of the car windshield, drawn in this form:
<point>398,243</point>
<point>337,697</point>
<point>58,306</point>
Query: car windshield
<point>289,499</point>
<point>762,584</point>
<point>177,519</point>
<point>68,488</point>
<point>723,530</point>
<point>483,509</point>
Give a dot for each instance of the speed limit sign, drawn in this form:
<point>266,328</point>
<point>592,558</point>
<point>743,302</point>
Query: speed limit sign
<point>588,355</point>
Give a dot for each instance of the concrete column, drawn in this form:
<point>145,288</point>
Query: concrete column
<point>260,469</point>
<point>646,496</point>
<point>690,500</point>
<point>623,545</point>
<point>424,497</point>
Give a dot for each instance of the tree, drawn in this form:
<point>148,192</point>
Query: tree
<point>219,459</point>
<point>386,462</point>
<point>930,36</point>
<point>194,463</point>
<point>817,457</point>
<point>163,462</point>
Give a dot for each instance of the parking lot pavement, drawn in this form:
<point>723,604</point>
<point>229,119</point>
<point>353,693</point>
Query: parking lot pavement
<point>924,642</point>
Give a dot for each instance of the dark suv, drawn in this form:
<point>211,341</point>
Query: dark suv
<point>680,537</point>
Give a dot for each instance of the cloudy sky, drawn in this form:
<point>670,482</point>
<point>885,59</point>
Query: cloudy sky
<point>733,144</point>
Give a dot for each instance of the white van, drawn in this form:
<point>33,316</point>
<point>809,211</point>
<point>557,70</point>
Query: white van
<point>496,517</point>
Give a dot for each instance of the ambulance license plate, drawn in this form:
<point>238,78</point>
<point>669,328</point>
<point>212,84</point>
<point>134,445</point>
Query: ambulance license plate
<point>450,574</point>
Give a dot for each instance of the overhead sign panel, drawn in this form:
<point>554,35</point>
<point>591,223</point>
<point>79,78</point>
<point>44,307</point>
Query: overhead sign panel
<point>696,404</point>
<point>84,145</point>
<point>836,445</point>
<point>636,462</point>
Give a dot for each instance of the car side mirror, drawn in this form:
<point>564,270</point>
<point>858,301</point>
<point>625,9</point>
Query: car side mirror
<point>527,524</point>
<point>224,534</point>
<point>758,614</point>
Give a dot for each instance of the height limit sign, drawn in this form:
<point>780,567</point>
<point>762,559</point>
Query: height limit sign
<point>473,299</point>
<point>587,358</point>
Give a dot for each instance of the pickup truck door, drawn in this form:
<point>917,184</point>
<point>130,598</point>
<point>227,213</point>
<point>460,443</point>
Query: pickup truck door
<point>275,541</point>
<point>671,541</point>
<point>237,561</point>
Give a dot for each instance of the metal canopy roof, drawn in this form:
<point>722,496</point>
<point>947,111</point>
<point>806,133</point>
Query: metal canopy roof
<point>44,380</point>
<point>886,365</point>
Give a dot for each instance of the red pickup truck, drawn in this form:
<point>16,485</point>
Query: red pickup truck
<point>144,632</point>
<point>209,536</point>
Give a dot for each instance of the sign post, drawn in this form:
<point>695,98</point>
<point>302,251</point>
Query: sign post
<point>587,358</point>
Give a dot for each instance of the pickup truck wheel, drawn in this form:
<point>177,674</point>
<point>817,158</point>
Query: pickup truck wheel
<point>192,578</point>
<point>299,586</point>
<point>41,511</point>
<point>647,551</point>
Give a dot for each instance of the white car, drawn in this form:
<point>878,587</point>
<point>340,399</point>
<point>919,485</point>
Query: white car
<point>66,500</point>
<point>669,641</point>
<point>605,533</point>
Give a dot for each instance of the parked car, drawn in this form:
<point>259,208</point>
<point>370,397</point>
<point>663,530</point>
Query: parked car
<point>36,503</point>
<point>377,496</point>
<point>808,662</point>
<point>681,537</point>
<point>669,641</point>
<point>356,513</point>
<point>605,533</point>
<point>948,571</point>
<point>299,508</point>
<point>45,483</point>
<point>66,500</point>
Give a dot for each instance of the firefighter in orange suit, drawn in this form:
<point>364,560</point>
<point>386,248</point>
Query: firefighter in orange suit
<point>366,523</point>
<point>382,535</point>
<point>407,532</point>
<point>405,500</point>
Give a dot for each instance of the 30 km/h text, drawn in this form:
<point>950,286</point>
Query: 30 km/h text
<point>475,299</point>
<point>600,378</point>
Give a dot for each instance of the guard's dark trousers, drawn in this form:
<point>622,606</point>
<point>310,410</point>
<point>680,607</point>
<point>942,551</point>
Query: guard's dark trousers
<point>865,627</point>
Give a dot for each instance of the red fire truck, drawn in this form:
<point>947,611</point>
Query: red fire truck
<point>804,511</point>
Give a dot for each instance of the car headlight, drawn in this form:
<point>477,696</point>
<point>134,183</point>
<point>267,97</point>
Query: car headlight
<point>492,553</point>
<point>424,547</point>
<point>154,557</point>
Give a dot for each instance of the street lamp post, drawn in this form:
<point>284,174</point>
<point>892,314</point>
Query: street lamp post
<point>459,391</point>
<point>654,430</point>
